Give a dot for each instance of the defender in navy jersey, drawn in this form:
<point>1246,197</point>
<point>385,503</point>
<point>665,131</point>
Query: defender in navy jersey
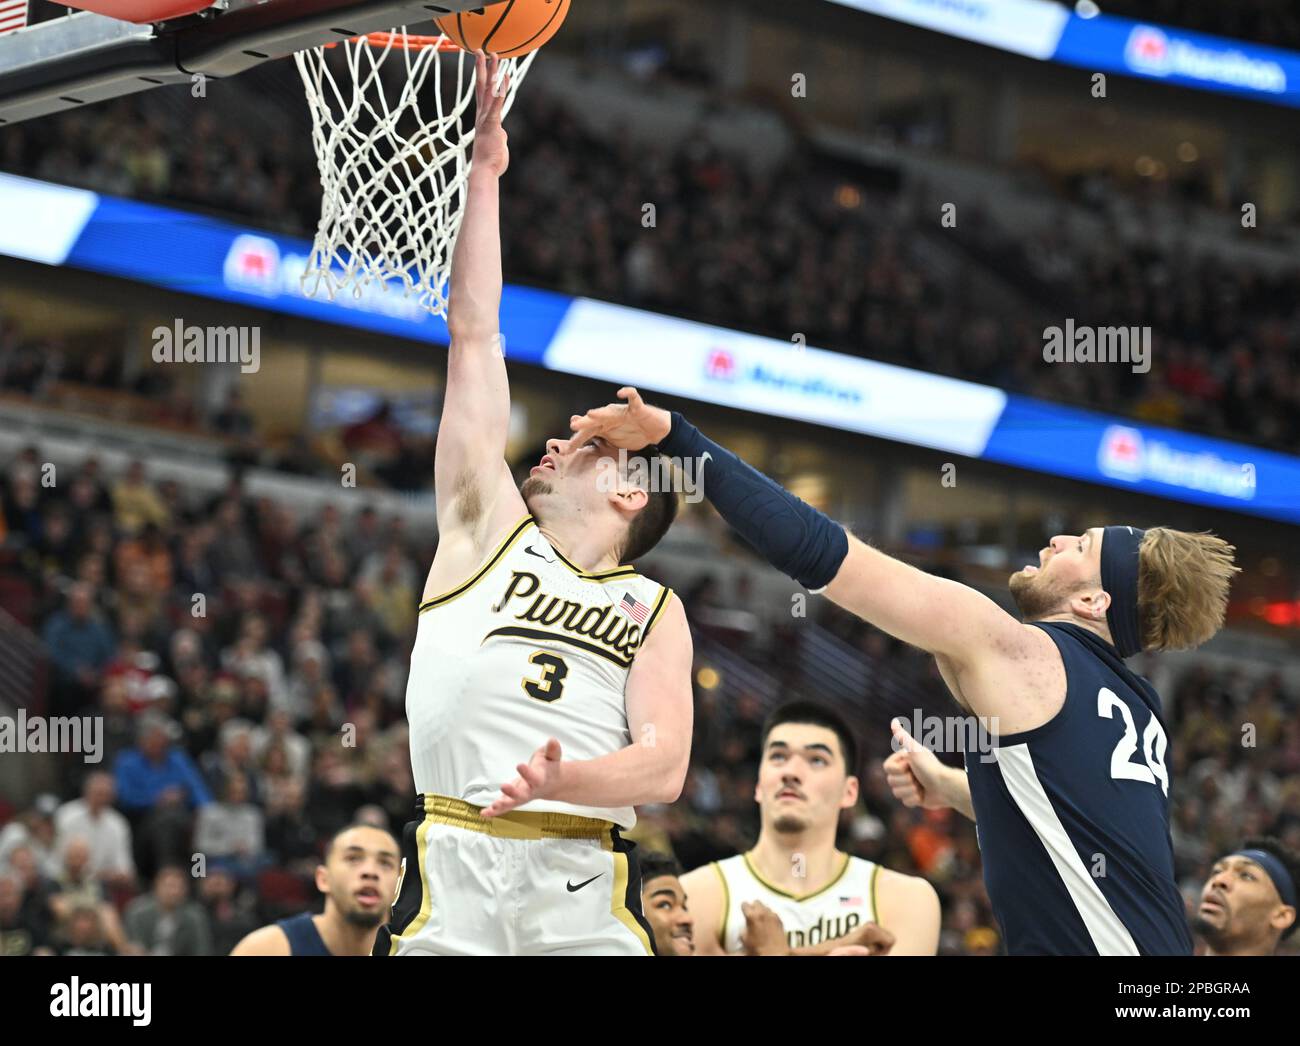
<point>1073,811</point>
<point>359,878</point>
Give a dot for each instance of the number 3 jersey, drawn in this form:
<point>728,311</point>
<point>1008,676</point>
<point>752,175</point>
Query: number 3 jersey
<point>1073,817</point>
<point>527,648</point>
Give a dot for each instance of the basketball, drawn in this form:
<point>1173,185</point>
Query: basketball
<point>509,29</point>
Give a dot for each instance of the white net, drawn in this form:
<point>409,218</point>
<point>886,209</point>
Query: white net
<point>392,176</point>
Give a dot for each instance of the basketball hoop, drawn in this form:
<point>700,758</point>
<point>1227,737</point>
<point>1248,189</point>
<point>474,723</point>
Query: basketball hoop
<point>392,178</point>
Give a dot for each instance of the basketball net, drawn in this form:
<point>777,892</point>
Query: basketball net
<point>392,177</point>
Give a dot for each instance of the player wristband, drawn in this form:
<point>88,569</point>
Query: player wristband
<point>789,533</point>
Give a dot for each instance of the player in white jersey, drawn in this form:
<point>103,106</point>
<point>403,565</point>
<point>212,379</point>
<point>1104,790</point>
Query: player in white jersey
<point>826,900</point>
<point>538,652</point>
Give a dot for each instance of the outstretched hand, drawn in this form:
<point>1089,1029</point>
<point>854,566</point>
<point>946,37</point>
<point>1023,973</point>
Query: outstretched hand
<point>491,150</point>
<point>537,779</point>
<point>631,425</point>
<point>914,773</point>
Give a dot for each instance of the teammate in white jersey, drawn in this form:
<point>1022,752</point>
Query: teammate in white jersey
<point>538,652</point>
<point>826,900</point>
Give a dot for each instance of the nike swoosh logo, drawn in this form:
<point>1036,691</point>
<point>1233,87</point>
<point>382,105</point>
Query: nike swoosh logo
<point>574,889</point>
<point>532,552</point>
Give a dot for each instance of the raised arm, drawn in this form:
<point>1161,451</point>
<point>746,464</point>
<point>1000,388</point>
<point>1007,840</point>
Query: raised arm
<point>939,616</point>
<point>476,495</point>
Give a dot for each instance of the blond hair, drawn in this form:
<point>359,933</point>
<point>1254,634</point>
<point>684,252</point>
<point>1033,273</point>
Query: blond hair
<point>1183,581</point>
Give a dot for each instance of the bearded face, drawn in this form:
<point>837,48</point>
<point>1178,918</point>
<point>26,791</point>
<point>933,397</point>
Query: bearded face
<point>1039,594</point>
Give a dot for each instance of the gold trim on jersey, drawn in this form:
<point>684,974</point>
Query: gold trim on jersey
<point>875,908</point>
<point>613,574</point>
<point>517,631</point>
<point>726,904</point>
<point>660,603</point>
<point>482,571</point>
<point>426,898</point>
<point>516,824</point>
<point>795,897</point>
<point>618,897</point>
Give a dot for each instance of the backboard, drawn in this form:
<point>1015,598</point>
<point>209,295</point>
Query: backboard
<point>88,56</point>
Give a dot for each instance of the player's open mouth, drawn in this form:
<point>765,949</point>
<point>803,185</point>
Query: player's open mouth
<point>546,464</point>
<point>1214,903</point>
<point>788,793</point>
<point>368,897</point>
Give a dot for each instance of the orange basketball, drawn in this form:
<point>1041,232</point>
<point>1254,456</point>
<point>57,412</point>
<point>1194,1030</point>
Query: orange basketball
<point>507,29</point>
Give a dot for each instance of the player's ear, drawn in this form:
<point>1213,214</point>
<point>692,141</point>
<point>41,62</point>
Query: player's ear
<point>322,879</point>
<point>851,790</point>
<point>1091,603</point>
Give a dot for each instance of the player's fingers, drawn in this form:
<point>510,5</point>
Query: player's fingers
<point>585,429</point>
<point>896,763</point>
<point>850,949</point>
<point>531,777</point>
<point>902,736</point>
<point>552,749</point>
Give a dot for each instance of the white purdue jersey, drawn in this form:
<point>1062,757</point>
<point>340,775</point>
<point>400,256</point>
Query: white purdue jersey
<point>848,900</point>
<point>529,647</point>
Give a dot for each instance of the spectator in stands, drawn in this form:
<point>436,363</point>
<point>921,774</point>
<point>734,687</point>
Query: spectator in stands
<point>24,921</point>
<point>166,921</point>
<point>233,758</point>
<point>80,644</point>
<point>105,832</point>
<point>75,889</point>
<point>135,502</point>
<point>278,733</point>
<point>155,767</point>
<point>291,834</point>
<point>252,656</point>
<point>229,909</point>
<point>82,931</point>
<point>231,832</point>
<point>33,834</point>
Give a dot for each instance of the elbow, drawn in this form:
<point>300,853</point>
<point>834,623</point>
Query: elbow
<point>674,783</point>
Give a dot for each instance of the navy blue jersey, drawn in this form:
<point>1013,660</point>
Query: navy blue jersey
<point>304,938</point>
<point>1073,817</point>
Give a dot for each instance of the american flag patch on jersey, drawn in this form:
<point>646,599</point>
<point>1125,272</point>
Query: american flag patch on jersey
<point>13,14</point>
<point>634,608</point>
<point>852,902</point>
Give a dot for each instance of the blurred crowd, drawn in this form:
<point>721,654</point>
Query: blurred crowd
<point>249,667</point>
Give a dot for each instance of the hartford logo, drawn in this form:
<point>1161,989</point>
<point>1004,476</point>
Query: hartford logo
<point>1154,52</point>
<point>1126,454</point>
<point>722,365</point>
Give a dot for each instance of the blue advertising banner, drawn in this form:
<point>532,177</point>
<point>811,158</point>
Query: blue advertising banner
<point>1146,459</point>
<point>199,255</point>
